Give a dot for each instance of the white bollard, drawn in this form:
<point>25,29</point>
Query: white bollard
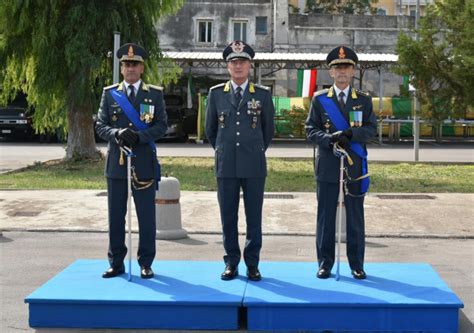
<point>168,210</point>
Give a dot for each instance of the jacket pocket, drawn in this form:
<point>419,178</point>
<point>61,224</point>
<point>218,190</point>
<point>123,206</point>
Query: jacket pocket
<point>219,158</point>
<point>259,150</point>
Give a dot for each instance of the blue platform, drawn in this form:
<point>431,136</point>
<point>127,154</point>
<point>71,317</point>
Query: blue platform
<point>183,295</point>
<point>394,297</point>
<point>191,295</point>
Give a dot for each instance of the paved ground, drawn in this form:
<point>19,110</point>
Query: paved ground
<point>17,154</point>
<point>446,215</point>
<point>44,231</point>
<point>32,258</point>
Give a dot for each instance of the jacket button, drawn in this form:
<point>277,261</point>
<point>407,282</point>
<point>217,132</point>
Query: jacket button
<point>238,113</point>
<point>237,144</point>
<point>238,133</point>
<point>130,124</point>
<point>238,123</point>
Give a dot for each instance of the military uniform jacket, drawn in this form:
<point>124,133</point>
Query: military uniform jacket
<point>111,118</point>
<point>240,134</point>
<point>319,128</point>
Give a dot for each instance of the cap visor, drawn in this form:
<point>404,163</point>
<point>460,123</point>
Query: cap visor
<point>235,56</point>
<point>129,59</point>
<point>342,62</point>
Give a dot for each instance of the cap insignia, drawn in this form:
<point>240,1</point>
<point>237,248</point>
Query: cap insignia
<point>342,54</point>
<point>237,47</point>
<point>130,52</point>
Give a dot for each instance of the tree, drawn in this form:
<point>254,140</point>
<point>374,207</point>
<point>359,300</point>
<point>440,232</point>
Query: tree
<point>56,52</point>
<point>356,7</point>
<point>441,62</point>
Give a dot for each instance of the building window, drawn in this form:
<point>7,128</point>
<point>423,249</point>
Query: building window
<point>261,27</point>
<point>381,11</point>
<point>240,30</point>
<point>204,31</point>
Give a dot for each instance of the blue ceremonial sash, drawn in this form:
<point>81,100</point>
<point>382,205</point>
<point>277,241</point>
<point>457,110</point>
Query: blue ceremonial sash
<point>132,115</point>
<point>341,124</point>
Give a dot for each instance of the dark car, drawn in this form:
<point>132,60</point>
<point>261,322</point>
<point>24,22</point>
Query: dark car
<point>176,117</point>
<point>15,119</point>
<point>16,122</point>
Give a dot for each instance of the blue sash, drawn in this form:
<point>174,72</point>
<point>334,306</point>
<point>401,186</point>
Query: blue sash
<point>132,115</point>
<point>341,124</point>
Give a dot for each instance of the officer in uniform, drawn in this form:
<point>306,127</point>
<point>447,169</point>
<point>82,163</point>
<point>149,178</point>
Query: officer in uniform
<point>131,114</point>
<point>343,115</point>
<point>240,127</point>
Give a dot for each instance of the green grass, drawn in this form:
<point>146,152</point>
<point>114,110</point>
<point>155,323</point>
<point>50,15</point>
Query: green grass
<point>284,175</point>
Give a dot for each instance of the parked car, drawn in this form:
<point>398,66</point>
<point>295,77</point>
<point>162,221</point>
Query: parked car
<point>176,117</point>
<point>16,122</point>
<point>15,119</point>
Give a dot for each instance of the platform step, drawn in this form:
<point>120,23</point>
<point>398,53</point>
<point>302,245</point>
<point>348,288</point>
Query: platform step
<point>182,295</point>
<point>394,297</point>
<point>191,295</point>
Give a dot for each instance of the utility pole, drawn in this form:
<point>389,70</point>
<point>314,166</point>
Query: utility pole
<point>416,119</point>
<point>114,56</point>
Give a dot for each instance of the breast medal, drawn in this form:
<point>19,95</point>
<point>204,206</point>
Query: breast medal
<point>355,118</point>
<point>222,120</point>
<point>254,109</point>
<point>327,126</point>
<point>147,112</point>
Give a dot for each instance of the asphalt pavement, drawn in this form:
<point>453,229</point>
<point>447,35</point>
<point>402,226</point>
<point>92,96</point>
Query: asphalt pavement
<point>29,259</point>
<point>16,155</point>
<point>44,231</point>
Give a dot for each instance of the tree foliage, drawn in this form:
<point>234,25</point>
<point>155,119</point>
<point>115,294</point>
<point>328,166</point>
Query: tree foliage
<point>356,7</point>
<point>56,52</point>
<point>441,62</point>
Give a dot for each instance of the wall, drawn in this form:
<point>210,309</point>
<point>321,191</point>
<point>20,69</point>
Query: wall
<point>179,32</point>
<point>365,33</point>
<point>286,32</point>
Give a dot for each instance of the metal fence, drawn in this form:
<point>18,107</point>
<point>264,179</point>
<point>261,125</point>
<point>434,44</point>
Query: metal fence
<point>394,120</point>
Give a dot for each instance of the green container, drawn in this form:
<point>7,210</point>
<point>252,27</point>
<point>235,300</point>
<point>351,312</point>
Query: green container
<point>448,130</point>
<point>283,128</point>
<point>401,107</point>
<point>406,130</point>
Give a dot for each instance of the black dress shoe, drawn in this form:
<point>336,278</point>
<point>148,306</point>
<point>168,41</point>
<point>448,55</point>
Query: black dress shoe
<point>323,273</point>
<point>359,274</point>
<point>113,272</point>
<point>253,273</point>
<point>230,272</point>
<point>146,272</point>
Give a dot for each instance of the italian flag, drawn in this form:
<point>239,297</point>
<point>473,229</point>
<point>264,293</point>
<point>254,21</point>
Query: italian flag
<point>306,82</point>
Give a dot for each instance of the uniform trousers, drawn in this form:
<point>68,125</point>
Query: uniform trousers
<point>228,194</point>
<point>145,207</point>
<point>327,196</point>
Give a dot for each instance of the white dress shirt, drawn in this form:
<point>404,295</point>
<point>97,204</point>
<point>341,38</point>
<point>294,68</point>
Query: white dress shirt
<point>346,92</point>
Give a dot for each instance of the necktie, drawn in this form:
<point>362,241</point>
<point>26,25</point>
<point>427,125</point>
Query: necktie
<point>341,100</point>
<point>131,95</point>
<point>238,95</point>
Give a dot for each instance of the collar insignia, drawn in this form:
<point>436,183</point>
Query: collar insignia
<point>227,87</point>
<point>252,88</point>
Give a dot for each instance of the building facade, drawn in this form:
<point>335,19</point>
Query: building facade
<point>273,26</point>
<point>384,7</point>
